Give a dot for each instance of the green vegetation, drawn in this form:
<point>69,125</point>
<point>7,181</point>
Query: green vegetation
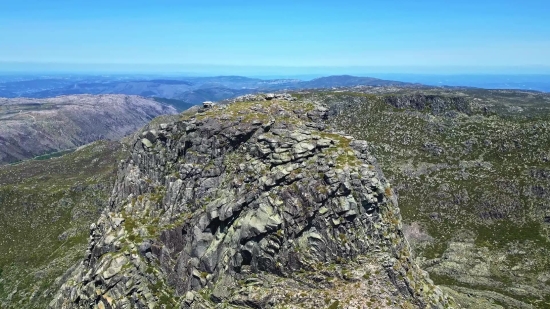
<point>48,156</point>
<point>250,111</point>
<point>46,208</point>
<point>54,155</point>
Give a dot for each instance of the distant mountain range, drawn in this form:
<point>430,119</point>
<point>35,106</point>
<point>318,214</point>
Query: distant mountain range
<point>349,81</point>
<point>190,91</point>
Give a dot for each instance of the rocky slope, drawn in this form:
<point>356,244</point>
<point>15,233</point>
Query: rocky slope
<point>471,168</point>
<point>34,127</point>
<point>255,204</point>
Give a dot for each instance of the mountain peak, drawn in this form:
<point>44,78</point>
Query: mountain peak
<point>254,204</point>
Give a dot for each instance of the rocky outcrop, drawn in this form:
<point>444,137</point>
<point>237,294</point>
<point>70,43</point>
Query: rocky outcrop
<point>254,204</point>
<point>34,127</point>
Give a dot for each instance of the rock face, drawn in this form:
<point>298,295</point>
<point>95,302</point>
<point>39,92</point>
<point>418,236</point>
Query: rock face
<point>34,127</point>
<point>255,205</point>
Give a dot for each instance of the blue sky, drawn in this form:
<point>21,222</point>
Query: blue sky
<point>392,34</point>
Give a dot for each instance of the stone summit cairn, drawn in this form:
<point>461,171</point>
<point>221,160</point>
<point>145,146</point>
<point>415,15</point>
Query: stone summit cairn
<point>208,104</point>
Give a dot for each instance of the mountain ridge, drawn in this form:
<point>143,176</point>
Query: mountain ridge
<point>33,127</point>
<point>178,88</point>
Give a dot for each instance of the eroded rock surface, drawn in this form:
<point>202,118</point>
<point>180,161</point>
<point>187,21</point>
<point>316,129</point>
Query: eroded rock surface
<point>255,204</point>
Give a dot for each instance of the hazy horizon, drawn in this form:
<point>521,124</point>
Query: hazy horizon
<point>260,71</point>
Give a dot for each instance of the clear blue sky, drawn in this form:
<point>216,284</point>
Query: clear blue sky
<point>298,33</point>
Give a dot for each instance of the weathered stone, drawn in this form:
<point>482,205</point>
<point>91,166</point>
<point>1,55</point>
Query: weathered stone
<point>147,143</point>
<point>115,267</point>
